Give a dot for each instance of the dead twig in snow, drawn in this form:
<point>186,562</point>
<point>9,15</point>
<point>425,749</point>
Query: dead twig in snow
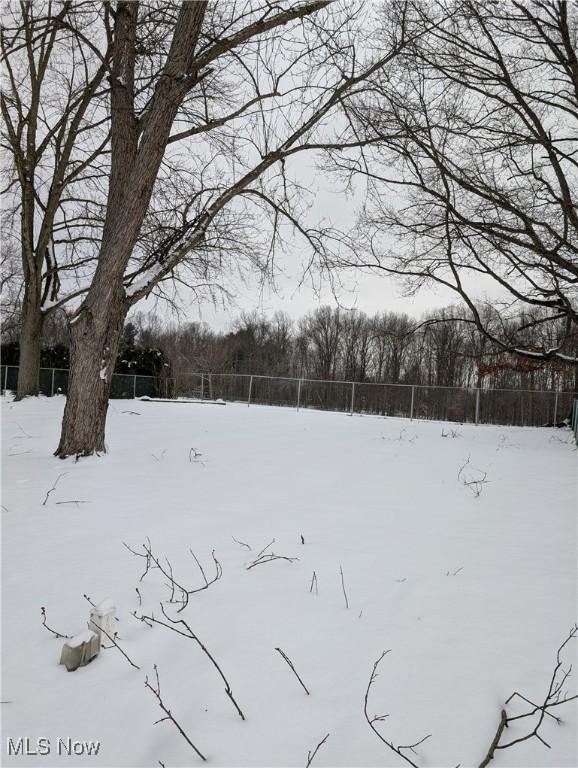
<point>216,577</point>
<point>156,690</point>
<point>73,501</point>
<point>53,487</point>
<point>311,755</point>
<point>371,720</point>
<point>195,457</point>
<point>463,466</point>
<point>140,554</point>
<point>314,584</point>
<point>45,625</point>
<point>241,543</point>
<point>188,633</point>
<point>24,433</point>
<point>268,557</point>
<point>555,696</point>
<point>266,547</point>
<point>112,639</point>
<point>343,587</point>
<point>88,599</point>
<point>290,663</point>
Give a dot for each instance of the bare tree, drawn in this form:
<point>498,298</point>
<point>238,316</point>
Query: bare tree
<point>470,159</point>
<point>290,67</point>
<point>55,133</point>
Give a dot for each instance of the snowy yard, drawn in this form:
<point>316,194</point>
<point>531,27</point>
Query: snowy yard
<point>471,593</point>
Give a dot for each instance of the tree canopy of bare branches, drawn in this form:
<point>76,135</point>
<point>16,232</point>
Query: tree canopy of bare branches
<point>55,139</point>
<point>471,166</point>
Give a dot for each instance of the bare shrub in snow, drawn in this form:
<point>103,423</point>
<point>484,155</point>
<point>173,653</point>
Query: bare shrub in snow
<point>152,561</point>
<point>555,696</point>
<point>473,479</point>
<point>453,433</point>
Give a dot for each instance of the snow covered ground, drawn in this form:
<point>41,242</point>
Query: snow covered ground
<point>472,593</point>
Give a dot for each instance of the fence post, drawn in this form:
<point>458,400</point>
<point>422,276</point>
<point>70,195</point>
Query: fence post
<point>134,387</point>
<point>299,394</point>
<point>210,388</point>
<point>52,385</point>
<point>202,386</point>
<point>556,408</point>
<point>477,416</point>
<point>352,396</point>
<point>5,379</point>
<point>412,401</point>
<point>250,390</point>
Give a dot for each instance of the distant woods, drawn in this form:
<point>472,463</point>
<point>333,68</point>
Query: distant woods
<point>329,343</point>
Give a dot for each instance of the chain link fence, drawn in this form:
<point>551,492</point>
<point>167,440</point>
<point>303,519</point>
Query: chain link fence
<point>484,406</point>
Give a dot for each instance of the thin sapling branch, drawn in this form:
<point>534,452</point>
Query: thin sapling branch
<point>290,664</point>
<point>156,691</point>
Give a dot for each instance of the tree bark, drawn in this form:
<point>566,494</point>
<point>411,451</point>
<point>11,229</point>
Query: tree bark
<point>95,337</point>
<point>30,341</point>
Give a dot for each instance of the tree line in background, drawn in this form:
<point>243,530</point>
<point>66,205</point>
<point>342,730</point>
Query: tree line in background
<point>328,343</point>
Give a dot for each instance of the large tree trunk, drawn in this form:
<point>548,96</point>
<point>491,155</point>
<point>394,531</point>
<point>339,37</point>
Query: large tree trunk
<point>30,341</point>
<point>95,337</point>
